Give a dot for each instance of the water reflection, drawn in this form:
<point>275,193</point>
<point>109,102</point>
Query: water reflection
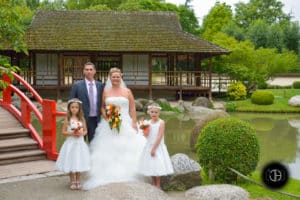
<point>279,141</point>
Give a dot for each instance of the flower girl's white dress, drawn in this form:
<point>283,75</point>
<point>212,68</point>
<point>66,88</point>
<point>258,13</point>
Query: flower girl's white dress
<point>115,155</point>
<point>74,154</point>
<point>160,164</point>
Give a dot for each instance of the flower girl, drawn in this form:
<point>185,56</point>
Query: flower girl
<point>155,160</point>
<point>74,153</point>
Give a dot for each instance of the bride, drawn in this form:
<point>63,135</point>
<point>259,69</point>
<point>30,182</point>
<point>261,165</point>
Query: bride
<point>115,155</point>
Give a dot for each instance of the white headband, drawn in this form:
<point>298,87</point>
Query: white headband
<point>74,101</point>
<point>153,106</point>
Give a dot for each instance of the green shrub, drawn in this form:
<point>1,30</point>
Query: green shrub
<point>296,84</point>
<point>279,87</point>
<point>262,85</point>
<point>224,143</point>
<point>262,97</point>
<point>236,91</point>
<point>230,106</point>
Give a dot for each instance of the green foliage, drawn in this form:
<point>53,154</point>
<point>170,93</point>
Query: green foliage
<point>7,69</point>
<point>296,84</point>
<point>188,20</point>
<point>233,30</point>
<point>217,19</point>
<point>230,106</point>
<point>270,11</point>
<point>236,91</point>
<point>258,192</point>
<point>224,143</point>
<point>255,66</point>
<point>12,31</point>
<point>291,32</point>
<point>52,5</point>
<point>77,4</point>
<point>282,96</point>
<point>258,33</point>
<point>262,97</point>
<point>99,7</point>
<point>279,87</point>
<point>187,17</point>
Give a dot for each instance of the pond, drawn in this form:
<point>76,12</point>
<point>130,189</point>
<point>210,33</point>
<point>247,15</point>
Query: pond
<point>278,137</point>
<point>279,140</point>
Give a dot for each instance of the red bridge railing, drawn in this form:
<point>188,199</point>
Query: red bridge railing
<point>47,117</point>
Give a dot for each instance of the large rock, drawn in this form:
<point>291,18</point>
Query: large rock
<point>294,123</point>
<point>186,174</point>
<point>142,101</point>
<point>139,106</point>
<point>294,101</point>
<point>213,192</point>
<point>202,121</point>
<point>162,101</point>
<point>202,101</point>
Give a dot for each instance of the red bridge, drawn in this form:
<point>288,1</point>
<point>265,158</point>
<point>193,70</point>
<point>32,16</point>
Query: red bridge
<point>19,140</point>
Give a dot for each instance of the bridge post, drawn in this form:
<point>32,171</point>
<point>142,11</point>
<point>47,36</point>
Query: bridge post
<point>49,128</point>
<point>7,91</point>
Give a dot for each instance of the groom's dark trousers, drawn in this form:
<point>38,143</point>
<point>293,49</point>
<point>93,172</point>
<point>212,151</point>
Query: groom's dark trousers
<point>79,90</point>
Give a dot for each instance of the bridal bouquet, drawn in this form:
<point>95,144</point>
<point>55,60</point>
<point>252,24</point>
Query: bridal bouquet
<point>144,125</point>
<point>76,126</point>
<point>113,116</point>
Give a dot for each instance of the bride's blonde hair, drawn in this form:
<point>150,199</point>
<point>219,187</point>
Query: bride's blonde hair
<point>113,70</point>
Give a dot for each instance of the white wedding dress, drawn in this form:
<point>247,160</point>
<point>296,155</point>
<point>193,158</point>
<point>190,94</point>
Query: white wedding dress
<point>115,156</point>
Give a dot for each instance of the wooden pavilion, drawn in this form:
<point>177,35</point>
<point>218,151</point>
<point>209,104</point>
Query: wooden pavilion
<point>156,56</point>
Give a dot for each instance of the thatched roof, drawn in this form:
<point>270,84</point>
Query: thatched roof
<point>113,31</point>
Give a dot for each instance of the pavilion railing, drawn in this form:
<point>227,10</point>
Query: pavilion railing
<point>137,77</point>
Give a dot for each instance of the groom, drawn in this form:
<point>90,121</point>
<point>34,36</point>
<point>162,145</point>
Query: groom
<point>89,91</point>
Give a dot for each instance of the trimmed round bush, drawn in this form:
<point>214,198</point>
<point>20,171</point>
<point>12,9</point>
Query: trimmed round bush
<point>261,97</point>
<point>296,84</point>
<point>227,143</point>
<point>236,91</point>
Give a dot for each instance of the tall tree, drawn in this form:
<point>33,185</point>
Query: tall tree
<point>187,3</point>
<point>291,33</point>
<point>187,18</point>
<point>33,4</point>
<point>11,28</point>
<point>52,5</point>
<point>112,4</point>
<point>218,18</point>
<point>258,33</point>
<point>275,37</point>
<point>268,10</point>
<point>233,30</point>
<point>77,4</point>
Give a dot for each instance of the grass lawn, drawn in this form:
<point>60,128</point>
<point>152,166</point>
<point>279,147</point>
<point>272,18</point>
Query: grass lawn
<point>280,104</point>
<point>258,192</point>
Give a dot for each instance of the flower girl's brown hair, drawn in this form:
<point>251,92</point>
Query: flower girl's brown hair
<point>80,114</point>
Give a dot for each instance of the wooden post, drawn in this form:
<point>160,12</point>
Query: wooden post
<point>49,128</point>
<point>60,76</point>
<point>210,77</point>
<point>180,86</point>
<point>150,76</point>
